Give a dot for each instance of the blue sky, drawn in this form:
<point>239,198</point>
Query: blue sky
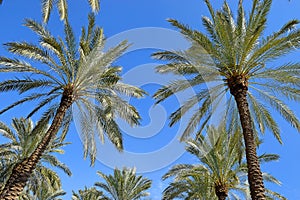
<point>141,19</point>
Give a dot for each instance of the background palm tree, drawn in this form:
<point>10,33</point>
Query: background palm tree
<point>124,185</point>
<point>43,193</point>
<point>87,194</point>
<point>233,56</point>
<point>221,172</point>
<point>69,76</point>
<point>22,141</point>
<point>62,6</point>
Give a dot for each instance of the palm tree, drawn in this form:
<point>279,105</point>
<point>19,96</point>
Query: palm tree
<point>232,56</point>
<point>124,185</point>
<point>21,143</point>
<point>69,77</point>
<point>87,194</point>
<point>62,6</point>
<point>221,172</point>
<point>43,194</point>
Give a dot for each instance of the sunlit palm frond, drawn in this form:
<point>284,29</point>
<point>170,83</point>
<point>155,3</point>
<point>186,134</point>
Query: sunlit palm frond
<point>124,185</point>
<point>87,194</point>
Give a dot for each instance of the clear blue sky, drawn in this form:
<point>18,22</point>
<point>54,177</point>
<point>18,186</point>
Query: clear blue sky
<point>119,16</point>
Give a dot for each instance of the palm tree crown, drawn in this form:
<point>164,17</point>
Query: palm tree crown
<point>87,194</point>
<point>221,172</point>
<point>233,57</point>
<point>20,145</point>
<point>77,75</point>
<point>124,185</point>
<point>81,76</point>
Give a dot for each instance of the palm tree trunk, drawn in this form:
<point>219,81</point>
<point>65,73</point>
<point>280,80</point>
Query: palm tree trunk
<point>22,171</point>
<point>221,191</point>
<point>238,88</point>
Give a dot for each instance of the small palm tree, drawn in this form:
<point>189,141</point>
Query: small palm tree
<point>43,194</point>
<point>221,172</point>
<point>21,142</point>
<point>87,194</point>
<point>62,6</point>
<point>232,56</point>
<point>65,77</point>
<point>124,185</point>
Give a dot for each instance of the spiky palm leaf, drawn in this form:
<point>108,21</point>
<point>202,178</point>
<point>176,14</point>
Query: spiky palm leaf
<point>62,6</point>
<point>221,172</point>
<point>124,185</point>
<point>81,76</point>
<point>87,194</point>
<point>43,194</point>
<point>22,141</point>
<point>233,58</point>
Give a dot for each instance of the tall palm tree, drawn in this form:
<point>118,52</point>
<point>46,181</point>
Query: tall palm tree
<point>221,172</point>
<point>87,194</point>
<point>124,185</point>
<point>62,6</point>
<point>66,76</point>
<point>233,57</point>
<point>21,142</point>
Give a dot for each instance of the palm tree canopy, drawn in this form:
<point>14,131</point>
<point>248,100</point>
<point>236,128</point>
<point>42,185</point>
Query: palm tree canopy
<point>124,185</point>
<point>43,193</point>
<point>84,72</point>
<point>62,6</point>
<point>21,142</point>
<point>234,50</point>
<point>221,164</point>
<point>87,194</point>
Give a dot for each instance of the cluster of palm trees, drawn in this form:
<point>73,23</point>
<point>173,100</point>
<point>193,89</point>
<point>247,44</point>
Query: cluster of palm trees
<point>233,55</point>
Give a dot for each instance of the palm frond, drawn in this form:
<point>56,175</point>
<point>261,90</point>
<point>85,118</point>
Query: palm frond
<point>47,6</point>
<point>95,5</point>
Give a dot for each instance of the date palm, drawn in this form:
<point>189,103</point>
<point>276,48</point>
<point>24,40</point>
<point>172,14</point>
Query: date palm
<point>124,185</point>
<point>87,194</point>
<point>234,57</point>
<point>65,76</point>
<point>43,193</point>
<point>62,6</point>
<point>21,142</point>
<point>221,172</point>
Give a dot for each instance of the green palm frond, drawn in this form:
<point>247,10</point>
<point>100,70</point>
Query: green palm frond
<point>62,9</point>
<point>87,194</point>
<point>47,6</point>
<point>95,5</point>
<point>62,6</point>
<point>124,185</point>
<point>23,139</point>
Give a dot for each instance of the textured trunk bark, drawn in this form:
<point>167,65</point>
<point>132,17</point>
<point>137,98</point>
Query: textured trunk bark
<point>238,88</point>
<point>22,171</point>
<point>221,192</point>
<point>221,197</point>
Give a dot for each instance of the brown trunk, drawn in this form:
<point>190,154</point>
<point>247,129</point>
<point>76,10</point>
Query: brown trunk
<point>22,171</point>
<point>238,87</point>
<point>221,191</point>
